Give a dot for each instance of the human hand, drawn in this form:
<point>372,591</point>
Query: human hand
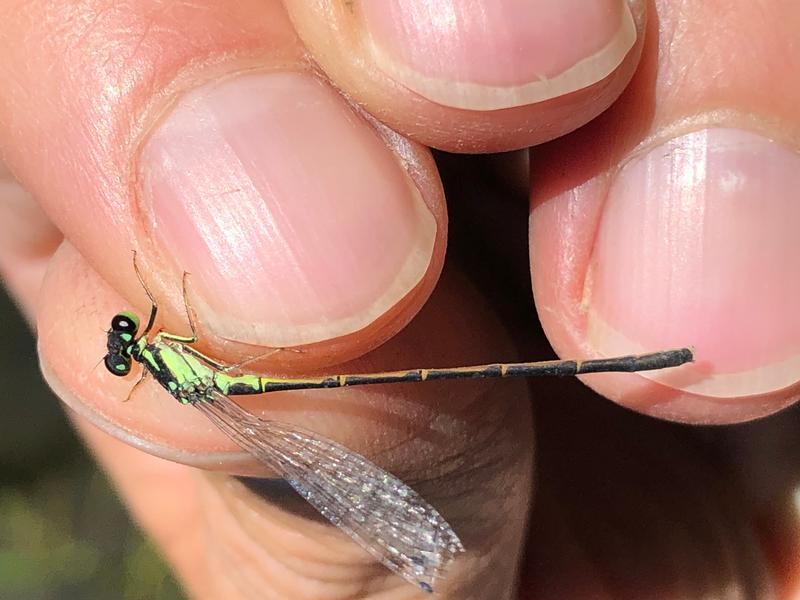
<point>208,138</point>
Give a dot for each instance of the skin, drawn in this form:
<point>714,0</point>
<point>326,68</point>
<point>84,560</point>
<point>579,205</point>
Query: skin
<point>623,506</point>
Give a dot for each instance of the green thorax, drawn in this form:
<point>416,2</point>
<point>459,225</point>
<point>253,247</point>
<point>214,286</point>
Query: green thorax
<point>182,374</point>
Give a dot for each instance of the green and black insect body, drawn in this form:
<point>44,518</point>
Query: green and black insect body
<point>380,512</point>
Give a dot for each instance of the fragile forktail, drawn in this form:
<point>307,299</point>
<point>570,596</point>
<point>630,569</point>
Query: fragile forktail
<point>380,512</point>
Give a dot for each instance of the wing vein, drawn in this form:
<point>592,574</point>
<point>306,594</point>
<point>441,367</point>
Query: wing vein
<point>384,515</point>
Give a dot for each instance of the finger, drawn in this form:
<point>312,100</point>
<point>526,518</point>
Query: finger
<point>27,241</point>
<point>670,221</point>
<point>476,76</point>
<point>465,447</point>
<point>200,137</point>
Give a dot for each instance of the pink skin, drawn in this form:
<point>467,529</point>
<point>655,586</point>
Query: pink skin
<point>677,230</point>
<point>693,245</point>
<point>492,42</point>
<point>456,113</point>
<point>277,209</point>
<point>82,185</point>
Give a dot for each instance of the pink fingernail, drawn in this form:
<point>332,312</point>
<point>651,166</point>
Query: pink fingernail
<point>493,54</point>
<point>295,220</point>
<point>698,245</point>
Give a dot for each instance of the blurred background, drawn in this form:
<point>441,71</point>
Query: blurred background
<point>63,532</point>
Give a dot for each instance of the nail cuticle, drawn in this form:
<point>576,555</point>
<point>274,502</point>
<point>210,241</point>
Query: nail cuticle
<point>773,130</point>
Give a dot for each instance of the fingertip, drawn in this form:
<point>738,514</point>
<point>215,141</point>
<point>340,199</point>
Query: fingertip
<point>308,240</point>
<point>702,259</point>
<point>668,222</point>
<point>499,54</point>
<point>478,76</point>
<point>302,221</point>
<point>622,266</point>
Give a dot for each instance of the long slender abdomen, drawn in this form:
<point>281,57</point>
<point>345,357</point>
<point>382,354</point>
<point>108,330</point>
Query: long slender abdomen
<point>252,384</point>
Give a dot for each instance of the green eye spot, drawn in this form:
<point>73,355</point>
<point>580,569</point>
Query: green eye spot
<point>125,322</point>
<point>126,337</point>
<point>120,367</point>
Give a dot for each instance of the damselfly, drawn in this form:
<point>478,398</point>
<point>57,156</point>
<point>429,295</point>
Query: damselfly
<point>380,512</point>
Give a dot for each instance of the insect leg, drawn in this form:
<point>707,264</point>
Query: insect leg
<point>136,385</point>
<point>153,305</point>
<point>239,365</point>
<point>199,355</point>
<point>189,315</point>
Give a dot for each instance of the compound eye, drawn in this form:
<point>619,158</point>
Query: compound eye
<point>117,365</point>
<point>125,323</point>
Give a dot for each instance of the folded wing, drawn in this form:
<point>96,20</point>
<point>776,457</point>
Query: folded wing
<point>380,512</point>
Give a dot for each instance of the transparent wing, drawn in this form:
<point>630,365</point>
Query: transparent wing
<point>380,512</point>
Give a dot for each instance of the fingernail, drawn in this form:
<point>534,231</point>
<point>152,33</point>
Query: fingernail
<point>698,245</point>
<point>294,219</point>
<point>493,54</point>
